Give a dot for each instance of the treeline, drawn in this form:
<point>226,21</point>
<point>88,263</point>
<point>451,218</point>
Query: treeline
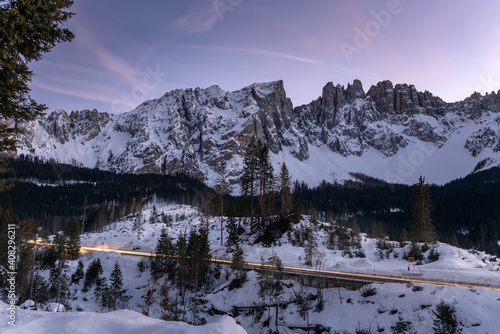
<point>54,193</point>
<point>466,211</point>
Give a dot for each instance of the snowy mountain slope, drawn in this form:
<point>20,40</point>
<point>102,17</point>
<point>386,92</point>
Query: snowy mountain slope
<point>345,310</point>
<point>395,133</point>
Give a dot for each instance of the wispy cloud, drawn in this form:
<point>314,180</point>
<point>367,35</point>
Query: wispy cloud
<point>108,60</point>
<point>200,18</point>
<point>268,53</point>
<point>74,92</point>
<point>66,67</point>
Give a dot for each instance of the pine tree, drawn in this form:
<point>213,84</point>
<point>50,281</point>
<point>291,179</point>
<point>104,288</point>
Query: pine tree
<point>422,229</point>
<point>84,216</point>
<point>24,268</point>
<point>356,238</point>
<point>154,218</point>
<point>168,306</point>
<point>29,30</point>
<point>5,184</point>
<point>103,212</point>
<point>102,293</point>
<point>378,231</point>
<point>163,261</point>
<point>72,239</point>
<point>249,177</point>
<point>221,186</point>
<point>297,211</point>
<point>183,273</point>
<point>203,254</point>
<point>40,290</point>
<point>285,184</point>
<point>344,217</point>
<point>60,280</point>
<point>266,183</point>
<point>60,243</point>
<point>78,274</point>
<point>233,237</point>
<point>117,294</point>
<point>310,244</point>
<point>93,274</point>
<point>445,321</point>
<point>138,219</point>
<point>238,264</point>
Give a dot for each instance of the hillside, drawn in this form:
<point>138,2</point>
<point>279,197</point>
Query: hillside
<point>392,303</point>
<point>464,208</point>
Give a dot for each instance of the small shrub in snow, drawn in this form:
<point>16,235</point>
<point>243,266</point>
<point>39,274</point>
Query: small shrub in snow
<point>384,248</point>
<point>433,255</point>
<point>368,291</point>
<point>359,253</point>
<point>363,330</point>
<point>402,327</point>
<point>142,265</point>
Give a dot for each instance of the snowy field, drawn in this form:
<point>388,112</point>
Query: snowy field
<point>477,309</point>
<point>122,322</point>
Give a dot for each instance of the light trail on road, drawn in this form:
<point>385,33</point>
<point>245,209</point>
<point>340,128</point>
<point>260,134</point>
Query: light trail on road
<point>306,271</point>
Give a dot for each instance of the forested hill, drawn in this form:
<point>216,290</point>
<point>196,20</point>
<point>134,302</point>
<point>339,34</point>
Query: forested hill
<point>466,211</point>
<point>54,193</point>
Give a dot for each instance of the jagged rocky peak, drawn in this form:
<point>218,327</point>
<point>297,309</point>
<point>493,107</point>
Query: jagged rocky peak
<point>86,124</point>
<point>404,99</point>
<point>324,110</point>
<point>355,91</point>
<point>476,104</point>
<point>57,125</point>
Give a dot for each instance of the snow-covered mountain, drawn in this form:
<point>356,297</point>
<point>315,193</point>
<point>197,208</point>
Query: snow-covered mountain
<point>390,132</point>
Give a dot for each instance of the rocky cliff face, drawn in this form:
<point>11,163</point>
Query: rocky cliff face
<point>346,129</point>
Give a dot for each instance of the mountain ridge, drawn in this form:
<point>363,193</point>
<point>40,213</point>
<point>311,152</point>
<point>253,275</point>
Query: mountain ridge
<point>393,132</point>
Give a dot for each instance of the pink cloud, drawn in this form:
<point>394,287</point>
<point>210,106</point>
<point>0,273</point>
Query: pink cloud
<point>200,19</point>
<point>108,60</point>
<point>74,92</point>
<point>281,55</point>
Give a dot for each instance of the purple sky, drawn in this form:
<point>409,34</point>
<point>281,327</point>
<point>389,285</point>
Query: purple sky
<point>126,51</point>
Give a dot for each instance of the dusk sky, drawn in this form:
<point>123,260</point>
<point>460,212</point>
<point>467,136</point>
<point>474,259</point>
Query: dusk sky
<point>127,51</point>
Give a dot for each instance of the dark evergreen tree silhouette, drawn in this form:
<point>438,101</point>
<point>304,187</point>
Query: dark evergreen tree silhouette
<point>422,228</point>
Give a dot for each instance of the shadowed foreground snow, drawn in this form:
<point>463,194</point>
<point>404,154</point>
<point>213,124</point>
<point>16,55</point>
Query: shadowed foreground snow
<point>118,322</point>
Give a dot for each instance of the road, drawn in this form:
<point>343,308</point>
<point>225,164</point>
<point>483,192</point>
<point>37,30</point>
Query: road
<point>311,272</point>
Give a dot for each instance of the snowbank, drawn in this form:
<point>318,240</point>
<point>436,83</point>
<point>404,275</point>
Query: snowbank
<point>118,322</point>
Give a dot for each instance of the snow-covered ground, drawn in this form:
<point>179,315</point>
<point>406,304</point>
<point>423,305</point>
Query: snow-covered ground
<point>122,322</point>
<point>454,265</point>
<point>477,309</point>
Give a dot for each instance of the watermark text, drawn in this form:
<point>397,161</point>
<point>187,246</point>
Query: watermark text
<point>11,280</point>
